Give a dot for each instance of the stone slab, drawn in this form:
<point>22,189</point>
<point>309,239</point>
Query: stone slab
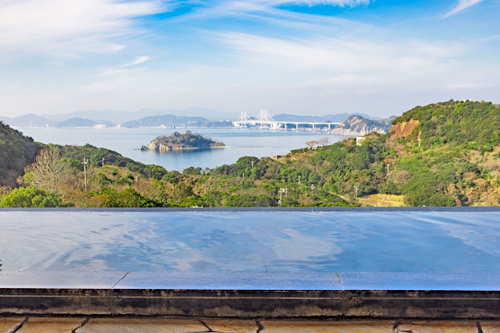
<point>9,324</point>
<point>51,325</point>
<point>490,326</point>
<point>234,326</point>
<point>142,325</point>
<point>384,326</point>
<point>437,327</point>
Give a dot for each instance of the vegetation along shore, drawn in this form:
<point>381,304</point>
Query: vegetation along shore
<point>443,154</point>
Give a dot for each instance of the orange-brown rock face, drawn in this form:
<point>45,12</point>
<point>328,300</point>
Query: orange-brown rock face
<point>403,129</point>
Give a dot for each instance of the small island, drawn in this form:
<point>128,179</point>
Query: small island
<point>178,141</point>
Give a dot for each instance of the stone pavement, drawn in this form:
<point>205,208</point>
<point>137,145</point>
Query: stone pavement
<point>161,325</point>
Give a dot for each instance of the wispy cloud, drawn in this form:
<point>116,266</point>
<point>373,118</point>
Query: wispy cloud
<point>221,8</point>
<point>337,55</point>
<point>461,5</point>
<point>341,3</point>
<point>137,61</point>
<point>66,28</point>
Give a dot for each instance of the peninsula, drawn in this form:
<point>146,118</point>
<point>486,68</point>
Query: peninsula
<point>178,141</point>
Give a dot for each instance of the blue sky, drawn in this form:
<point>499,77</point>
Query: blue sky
<point>378,57</point>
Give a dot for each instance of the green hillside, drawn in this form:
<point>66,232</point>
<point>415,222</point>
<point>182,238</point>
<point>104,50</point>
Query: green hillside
<point>443,154</point>
<point>16,151</point>
<point>475,124</point>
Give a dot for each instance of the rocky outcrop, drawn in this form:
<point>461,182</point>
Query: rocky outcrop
<point>404,128</point>
<point>359,126</point>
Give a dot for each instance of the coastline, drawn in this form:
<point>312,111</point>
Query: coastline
<point>198,148</point>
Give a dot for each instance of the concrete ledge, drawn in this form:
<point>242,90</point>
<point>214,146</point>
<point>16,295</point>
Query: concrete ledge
<point>251,295</point>
<point>264,209</point>
<point>253,303</point>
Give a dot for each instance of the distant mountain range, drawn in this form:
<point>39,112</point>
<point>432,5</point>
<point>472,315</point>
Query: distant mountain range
<point>32,120</point>
<point>119,117</point>
<point>171,120</point>
<point>193,117</point>
<point>335,118</point>
<point>27,120</point>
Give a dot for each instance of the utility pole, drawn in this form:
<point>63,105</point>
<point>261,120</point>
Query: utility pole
<point>356,189</point>
<point>312,189</point>
<point>283,190</point>
<point>85,173</point>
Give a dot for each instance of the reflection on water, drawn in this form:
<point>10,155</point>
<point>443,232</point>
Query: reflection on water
<point>251,241</point>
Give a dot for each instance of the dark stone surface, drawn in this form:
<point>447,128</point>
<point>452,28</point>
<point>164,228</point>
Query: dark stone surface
<point>253,303</point>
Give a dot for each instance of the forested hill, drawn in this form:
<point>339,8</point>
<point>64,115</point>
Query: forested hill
<point>442,154</point>
<point>475,124</point>
<point>16,151</point>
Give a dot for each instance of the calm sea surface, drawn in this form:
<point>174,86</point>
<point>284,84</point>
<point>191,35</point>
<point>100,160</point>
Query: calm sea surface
<point>248,142</point>
<point>286,241</point>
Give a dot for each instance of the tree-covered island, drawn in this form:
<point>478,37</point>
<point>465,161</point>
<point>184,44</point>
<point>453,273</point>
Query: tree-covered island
<point>178,141</point>
<point>442,154</point>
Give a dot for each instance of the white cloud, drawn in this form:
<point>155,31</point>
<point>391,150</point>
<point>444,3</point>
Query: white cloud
<point>138,60</point>
<point>461,5</point>
<point>66,28</point>
<point>343,56</point>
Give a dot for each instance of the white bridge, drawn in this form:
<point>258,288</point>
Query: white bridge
<point>266,121</point>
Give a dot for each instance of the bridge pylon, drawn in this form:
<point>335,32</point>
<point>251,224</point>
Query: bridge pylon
<point>265,116</point>
<point>243,117</point>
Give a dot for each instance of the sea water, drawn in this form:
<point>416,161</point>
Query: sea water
<point>127,141</point>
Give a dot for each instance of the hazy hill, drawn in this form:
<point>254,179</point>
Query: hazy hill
<point>119,117</point>
<point>359,126</point>
<point>27,120</point>
<point>79,122</point>
<point>166,120</point>
<point>32,120</point>
<point>172,120</point>
<point>336,118</point>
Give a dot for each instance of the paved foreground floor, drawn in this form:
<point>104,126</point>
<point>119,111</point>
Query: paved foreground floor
<point>157,325</point>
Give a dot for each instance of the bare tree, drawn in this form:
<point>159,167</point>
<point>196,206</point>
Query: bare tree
<point>311,143</point>
<point>48,172</point>
<point>324,141</point>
